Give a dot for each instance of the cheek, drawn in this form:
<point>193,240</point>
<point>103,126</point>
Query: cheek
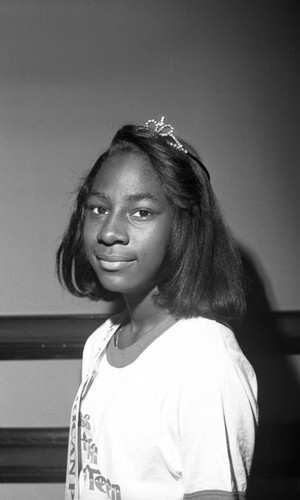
<point>88,237</point>
<point>156,249</point>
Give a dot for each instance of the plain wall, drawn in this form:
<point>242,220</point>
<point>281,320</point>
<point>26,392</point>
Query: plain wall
<point>72,72</point>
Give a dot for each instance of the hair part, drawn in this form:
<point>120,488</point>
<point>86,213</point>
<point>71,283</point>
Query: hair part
<point>201,274</point>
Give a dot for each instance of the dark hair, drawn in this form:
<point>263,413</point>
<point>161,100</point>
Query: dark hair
<point>201,274</point>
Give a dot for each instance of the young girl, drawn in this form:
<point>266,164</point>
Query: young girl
<point>167,405</point>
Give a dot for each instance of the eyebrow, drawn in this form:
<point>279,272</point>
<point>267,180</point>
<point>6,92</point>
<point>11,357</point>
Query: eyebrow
<point>140,197</point>
<point>94,192</point>
<point>131,197</point>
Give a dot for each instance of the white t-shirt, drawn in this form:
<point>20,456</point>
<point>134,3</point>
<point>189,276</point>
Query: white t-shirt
<point>172,418</point>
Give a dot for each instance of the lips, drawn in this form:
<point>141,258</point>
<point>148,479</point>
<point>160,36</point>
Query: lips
<point>113,258</point>
<point>114,262</point>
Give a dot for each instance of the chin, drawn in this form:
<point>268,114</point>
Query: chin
<point>125,284</point>
<point>125,289</point>
<point>114,283</point>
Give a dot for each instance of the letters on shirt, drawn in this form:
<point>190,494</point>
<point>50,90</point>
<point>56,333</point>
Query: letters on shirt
<point>91,473</point>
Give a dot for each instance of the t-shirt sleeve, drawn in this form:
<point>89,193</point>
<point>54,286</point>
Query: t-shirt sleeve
<point>217,417</point>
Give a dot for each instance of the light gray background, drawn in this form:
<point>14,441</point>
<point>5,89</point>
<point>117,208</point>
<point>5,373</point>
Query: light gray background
<point>73,71</point>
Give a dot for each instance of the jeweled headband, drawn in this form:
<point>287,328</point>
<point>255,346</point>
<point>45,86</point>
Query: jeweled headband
<point>166,130</point>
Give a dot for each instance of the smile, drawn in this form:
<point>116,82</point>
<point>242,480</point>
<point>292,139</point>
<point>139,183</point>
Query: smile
<point>113,262</point>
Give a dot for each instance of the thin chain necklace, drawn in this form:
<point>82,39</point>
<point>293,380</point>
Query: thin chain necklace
<point>117,336</point>
<point>160,327</point>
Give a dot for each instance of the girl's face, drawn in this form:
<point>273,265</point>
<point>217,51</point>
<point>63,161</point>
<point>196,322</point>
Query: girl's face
<point>127,225</point>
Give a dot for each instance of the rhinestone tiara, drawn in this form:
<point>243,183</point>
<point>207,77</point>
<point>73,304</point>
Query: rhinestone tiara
<point>166,130</point>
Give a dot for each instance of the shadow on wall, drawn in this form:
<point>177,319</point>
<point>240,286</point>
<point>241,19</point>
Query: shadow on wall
<point>276,469</point>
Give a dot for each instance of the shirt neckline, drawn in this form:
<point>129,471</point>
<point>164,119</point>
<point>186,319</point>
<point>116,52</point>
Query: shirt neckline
<point>120,358</point>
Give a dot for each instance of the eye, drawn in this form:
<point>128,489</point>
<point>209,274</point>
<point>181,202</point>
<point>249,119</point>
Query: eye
<point>142,214</point>
<point>96,210</point>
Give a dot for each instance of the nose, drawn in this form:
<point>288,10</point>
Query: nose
<point>113,231</point>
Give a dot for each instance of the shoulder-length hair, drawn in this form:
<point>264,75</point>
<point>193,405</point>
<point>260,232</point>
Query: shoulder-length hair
<point>201,274</point>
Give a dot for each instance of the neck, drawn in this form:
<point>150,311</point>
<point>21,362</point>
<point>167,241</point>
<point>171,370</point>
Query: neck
<point>141,308</point>
<point>143,315</point>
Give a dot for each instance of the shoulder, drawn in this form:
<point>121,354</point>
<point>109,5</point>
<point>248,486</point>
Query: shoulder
<point>93,342</point>
<point>207,347</point>
<point>211,365</point>
<point>205,335</point>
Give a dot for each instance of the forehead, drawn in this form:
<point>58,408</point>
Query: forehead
<point>129,173</point>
